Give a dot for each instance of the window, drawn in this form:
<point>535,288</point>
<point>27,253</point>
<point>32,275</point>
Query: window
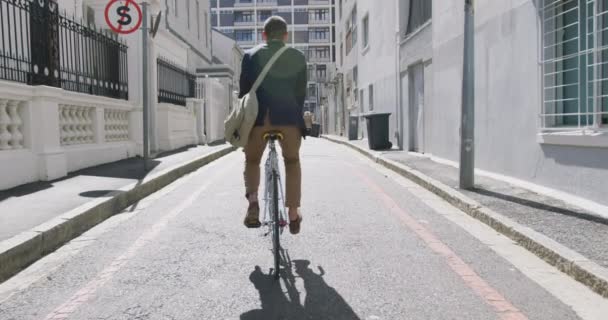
<point>319,54</point>
<point>175,7</point>
<point>340,9</point>
<point>243,35</point>
<point>188,12</point>
<point>206,24</point>
<point>351,33</point>
<point>321,74</point>
<point>312,90</point>
<point>354,27</point>
<point>366,31</point>
<point>575,58</point>
<point>264,14</point>
<point>198,20</point>
<point>244,16</point>
<point>420,12</point>
<point>362,93</point>
<point>318,15</point>
<point>370,93</point>
<point>318,34</point>
<point>229,32</point>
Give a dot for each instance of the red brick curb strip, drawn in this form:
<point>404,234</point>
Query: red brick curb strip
<point>566,260</point>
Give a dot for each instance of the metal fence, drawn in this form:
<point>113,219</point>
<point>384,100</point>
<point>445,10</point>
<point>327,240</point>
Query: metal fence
<point>174,84</point>
<point>39,46</point>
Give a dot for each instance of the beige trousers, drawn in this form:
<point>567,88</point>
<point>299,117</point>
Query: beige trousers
<point>290,145</point>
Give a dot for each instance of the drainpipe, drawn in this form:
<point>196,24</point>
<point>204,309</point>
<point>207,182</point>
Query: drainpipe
<point>398,97</point>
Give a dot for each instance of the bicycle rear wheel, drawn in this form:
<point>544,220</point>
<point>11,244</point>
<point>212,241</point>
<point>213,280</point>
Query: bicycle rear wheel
<point>276,245</point>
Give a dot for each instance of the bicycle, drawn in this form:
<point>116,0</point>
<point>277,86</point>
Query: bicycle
<point>274,209</point>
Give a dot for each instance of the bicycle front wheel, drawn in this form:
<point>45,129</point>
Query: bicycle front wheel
<point>276,245</point>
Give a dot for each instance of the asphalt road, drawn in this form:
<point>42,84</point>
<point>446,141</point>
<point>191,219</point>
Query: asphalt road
<point>373,246</point>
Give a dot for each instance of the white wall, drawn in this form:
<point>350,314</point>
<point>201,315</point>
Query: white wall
<point>377,64</point>
<point>176,126</point>
<point>199,40</point>
<point>226,50</point>
<point>507,98</point>
<point>52,132</point>
<point>216,105</point>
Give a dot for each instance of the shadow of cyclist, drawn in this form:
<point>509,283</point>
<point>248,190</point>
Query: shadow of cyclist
<point>321,302</point>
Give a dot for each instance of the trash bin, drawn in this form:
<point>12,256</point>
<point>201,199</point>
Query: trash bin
<point>353,128</point>
<point>377,131</point>
<point>316,130</point>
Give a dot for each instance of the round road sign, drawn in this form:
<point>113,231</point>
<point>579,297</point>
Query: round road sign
<point>123,16</point>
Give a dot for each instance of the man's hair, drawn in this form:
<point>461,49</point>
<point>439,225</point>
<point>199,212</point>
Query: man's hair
<point>275,28</point>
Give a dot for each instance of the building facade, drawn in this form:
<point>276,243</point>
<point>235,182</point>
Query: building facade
<point>71,94</point>
<point>367,62</point>
<point>541,106</point>
<point>311,27</point>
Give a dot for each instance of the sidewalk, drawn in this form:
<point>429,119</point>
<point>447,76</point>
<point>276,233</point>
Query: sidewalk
<point>38,218</point>
<point>516,212</point>
<point>27,206</point>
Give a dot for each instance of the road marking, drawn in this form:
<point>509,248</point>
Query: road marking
<point>47,265</point>
<point>586,304</point>
<point>87,292</point>
<point>503,308</point>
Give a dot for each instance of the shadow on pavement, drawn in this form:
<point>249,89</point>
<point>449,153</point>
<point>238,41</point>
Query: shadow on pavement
<point>98,193</point>
<point>321,302</point>
<point>131,168</point>
<point>125,169</point>
<point>541,206</point>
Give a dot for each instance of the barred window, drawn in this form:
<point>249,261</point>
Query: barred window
<point>574,59</point>
<point>420,12</point>
<point>366,31</point>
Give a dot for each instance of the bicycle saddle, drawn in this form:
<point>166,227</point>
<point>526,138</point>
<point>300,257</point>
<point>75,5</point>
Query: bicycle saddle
<point>273,135</point>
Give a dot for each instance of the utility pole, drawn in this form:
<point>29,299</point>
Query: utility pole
<point>467,126</point>
<point>146,103</point>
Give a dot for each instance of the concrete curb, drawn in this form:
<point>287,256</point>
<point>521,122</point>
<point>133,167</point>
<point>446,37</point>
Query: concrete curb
<point>22,250</point>
<point>566,260</point>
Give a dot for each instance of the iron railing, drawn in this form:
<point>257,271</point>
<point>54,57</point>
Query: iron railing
<point>39,46</point>
<point>174,83</point>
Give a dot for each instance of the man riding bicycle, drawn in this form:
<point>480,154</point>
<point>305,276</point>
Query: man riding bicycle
<point>281,101</point>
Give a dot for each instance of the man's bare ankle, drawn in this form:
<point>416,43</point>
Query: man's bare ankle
<point>294,213</point>
<point>253,198</point>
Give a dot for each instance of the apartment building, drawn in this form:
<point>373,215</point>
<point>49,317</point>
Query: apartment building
<point>311,30</point>
<point>367,61</point>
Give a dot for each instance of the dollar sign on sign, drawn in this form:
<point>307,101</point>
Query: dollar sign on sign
<point>125,19</point>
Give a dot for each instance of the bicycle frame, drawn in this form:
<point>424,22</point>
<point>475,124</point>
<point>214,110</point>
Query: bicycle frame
<point>271,168</point>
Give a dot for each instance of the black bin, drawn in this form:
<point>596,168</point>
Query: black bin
<point>377,131</point>
<point>353,128</point>
<point>315,130</point>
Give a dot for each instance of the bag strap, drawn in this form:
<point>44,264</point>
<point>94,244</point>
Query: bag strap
<point>266,69</point>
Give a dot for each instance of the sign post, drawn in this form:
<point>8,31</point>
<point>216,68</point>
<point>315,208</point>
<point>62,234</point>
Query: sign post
<point>146,106</point>
<point>467,126</point>
<point>118,15</point>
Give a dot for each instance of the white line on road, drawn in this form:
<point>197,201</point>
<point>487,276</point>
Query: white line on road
<point>87,292</point>
<point>47,265</point>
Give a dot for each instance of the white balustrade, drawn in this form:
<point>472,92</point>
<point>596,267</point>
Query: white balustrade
<point>116,125</point>
<point>76,124</point>
<point>11,125</point>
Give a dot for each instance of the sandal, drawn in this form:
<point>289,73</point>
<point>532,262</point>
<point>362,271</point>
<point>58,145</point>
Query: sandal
<point>294,225</point>
<point>252,219</point>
